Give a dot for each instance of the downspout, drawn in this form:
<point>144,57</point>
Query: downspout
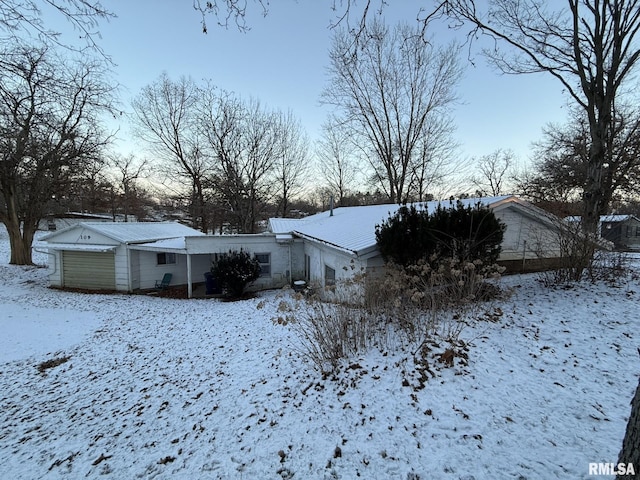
<point>47,252</point>
<point>189,284</point>
<point>290,265</point>
<point>129,270</point>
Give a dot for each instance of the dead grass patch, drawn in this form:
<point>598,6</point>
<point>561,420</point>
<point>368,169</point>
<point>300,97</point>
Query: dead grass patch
<point>54,362</point>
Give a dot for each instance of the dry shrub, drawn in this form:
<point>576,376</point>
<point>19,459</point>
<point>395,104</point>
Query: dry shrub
<point>331,332</point>
<point>409,305</point>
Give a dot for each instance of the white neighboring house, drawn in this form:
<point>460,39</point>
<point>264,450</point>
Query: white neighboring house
<point>341,242</point>
<point>55,222</point>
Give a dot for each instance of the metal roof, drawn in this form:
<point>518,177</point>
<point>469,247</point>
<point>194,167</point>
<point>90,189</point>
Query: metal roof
<point>134,232</point>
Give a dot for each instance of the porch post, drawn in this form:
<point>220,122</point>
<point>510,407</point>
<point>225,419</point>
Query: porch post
<point>189,285</point>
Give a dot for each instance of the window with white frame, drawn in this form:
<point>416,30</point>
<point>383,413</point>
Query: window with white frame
<point>264,259</point>
<point>166,258</point>
<point>329,276</point>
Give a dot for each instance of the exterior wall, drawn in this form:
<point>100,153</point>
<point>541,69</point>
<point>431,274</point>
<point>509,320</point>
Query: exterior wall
<point>526,237</point>
<point>54,269</point>
<point>320,255</point>
<point>151,272</point>
<point>624,235</point>
<point>287,259</point>
<point>81,236</point>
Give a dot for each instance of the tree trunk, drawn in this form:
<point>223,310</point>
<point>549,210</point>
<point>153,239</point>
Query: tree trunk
<point>20,246</point>
<point>630,452</point>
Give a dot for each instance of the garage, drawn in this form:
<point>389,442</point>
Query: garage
<point>90,270</point>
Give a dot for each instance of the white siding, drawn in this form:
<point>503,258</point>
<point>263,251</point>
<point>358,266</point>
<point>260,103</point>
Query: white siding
<point>527,237</point>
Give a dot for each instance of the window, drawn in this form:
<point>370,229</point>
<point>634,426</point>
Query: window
<point>264,259</point>
<point>637,231</point>
<point>166,258</point>
<point>329,276</point>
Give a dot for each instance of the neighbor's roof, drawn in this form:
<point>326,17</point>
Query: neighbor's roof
<point>605,218</point>
<point>133,232</point>
<point>353,228</point>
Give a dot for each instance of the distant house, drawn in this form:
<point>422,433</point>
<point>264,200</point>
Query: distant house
<point>621,230</point>
<point>59,221</point>
<point>321,249</point>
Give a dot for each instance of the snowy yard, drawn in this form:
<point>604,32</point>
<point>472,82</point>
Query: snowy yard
<point>202,389</point>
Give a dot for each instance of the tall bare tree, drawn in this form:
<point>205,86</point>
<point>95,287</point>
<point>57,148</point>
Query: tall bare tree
<point>337,163</point>
<point>166,118</point>
<point>292,163</point>
<point>390,90</point>
<point>49,131</point>
<point>560,171</point>
<point>589,46</point>
<point>243,144</point>
<point>493,171</point>
<point>128,170</point>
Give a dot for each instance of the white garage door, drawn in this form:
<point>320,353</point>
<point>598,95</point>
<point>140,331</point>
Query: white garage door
<point>90,270</point>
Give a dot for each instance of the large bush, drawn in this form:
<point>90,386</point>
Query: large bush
<point>235,270</point>
<point>465,234</point>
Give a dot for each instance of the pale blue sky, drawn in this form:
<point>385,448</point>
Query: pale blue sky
<point>282,62</point>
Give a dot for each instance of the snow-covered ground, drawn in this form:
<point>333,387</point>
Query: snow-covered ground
<point>202,389</point>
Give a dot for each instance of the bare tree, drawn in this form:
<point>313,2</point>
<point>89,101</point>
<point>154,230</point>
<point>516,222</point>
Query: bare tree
<point>435,161</point>
<point>25,17</point>
<point>336,159</point>
<point>127,171</point>
<point>166,118</point>
<point>49,131</point>
<point>242,140</point>
<point>390,91</point>
<point>292,165</point>
<point>560,171</point>
<point>589,46</point>
<point>493,171</point>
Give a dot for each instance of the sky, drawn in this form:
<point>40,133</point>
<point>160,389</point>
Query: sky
<point>282,62</point>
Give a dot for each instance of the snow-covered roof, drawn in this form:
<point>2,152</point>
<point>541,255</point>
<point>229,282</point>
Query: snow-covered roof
<point>606,218</point>
<point>353,228</point>
<point>134,232</point>
<point>170,244</point>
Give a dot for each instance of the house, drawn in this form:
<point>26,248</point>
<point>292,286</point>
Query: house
<point>321,249</point>
<point>339,242</point>
<point>621,230</point>
<point>130,257</point>
<point>59,221</point>
<point>101,255</point>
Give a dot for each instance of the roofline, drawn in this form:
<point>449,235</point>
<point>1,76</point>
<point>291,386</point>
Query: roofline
<point>324,242</point>
<point>90,226</point>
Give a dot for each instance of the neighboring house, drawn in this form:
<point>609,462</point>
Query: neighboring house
<point>55,222</point>
<point>621,230</point>
<point>322,249</point>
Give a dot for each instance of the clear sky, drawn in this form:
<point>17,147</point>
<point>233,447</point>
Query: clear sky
<point>282,62</point>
